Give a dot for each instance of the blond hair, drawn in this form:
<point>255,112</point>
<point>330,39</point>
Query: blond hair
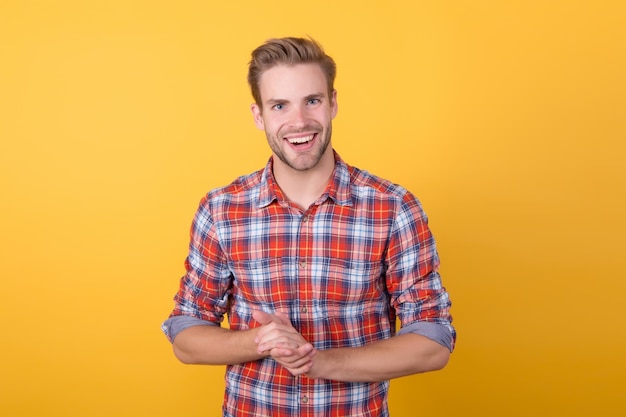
<point>288,51</point>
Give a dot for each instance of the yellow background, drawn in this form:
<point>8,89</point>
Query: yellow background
<point>506,118</point>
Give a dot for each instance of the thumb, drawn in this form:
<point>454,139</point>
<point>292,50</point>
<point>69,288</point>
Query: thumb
<point>283,318</point>
<point>266,318</point>
<point>262,317</point>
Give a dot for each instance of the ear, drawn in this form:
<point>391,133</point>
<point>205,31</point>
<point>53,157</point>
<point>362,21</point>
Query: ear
<point>333,103</point>
<point>257,116</point>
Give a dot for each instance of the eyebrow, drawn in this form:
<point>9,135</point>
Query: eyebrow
<point>316,95</point>
<point>272,101</point>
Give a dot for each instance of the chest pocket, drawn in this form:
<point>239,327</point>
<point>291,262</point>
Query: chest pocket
<point>351,282</point>
<point>263,282</point>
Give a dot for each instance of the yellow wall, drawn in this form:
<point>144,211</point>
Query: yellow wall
<point>506,118</point>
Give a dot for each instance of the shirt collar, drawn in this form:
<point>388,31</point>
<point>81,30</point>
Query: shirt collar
<point>338,188</point>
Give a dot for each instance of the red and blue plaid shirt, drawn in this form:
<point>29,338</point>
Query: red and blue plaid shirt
<point>344,269</point>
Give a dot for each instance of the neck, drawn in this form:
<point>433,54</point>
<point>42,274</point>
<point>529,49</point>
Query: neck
<point>304,187</point>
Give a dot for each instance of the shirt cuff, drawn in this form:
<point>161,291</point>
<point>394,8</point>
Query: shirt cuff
<point>176,324</point>
<point>434,331</point>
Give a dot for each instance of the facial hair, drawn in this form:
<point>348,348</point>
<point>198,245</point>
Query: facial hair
<point>276,149</point>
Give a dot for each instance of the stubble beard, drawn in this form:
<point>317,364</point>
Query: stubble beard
<point>312,161</point>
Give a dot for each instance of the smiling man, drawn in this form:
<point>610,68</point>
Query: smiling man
<point>313,261</point>
<point>296,109</point>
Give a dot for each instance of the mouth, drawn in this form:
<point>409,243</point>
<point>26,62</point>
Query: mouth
<point>301,140</point>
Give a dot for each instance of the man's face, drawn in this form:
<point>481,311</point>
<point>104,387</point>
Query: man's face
<point>296,115</point>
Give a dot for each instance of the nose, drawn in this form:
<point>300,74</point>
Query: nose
<point>299,116</point>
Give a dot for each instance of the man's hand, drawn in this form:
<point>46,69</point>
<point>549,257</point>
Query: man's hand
<point>278,338</point>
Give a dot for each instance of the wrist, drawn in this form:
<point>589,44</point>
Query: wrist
<point>326,365</point>
<point>252,343</point>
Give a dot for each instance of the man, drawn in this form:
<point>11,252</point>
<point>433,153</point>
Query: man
<point>313,260</point>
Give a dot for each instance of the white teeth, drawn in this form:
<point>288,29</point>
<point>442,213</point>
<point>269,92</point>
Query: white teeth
<point>302,139</point>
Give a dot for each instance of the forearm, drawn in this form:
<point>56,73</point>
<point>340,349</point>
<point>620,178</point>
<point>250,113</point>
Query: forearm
<point>213,345</point>
<point>392,358</point>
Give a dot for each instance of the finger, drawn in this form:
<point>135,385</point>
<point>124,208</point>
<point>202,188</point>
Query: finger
<point>288,361</point>
<point>278,338</point>
<point>301,367</point>
<point>273,331</point>
<point>293,356</point>
<point>268,323</point>
<point>278,332</point>
<point>283,317</point>
<point>286,346</point>
<point>262,317</point>
<point>265,318</point>
<point>302,370</point>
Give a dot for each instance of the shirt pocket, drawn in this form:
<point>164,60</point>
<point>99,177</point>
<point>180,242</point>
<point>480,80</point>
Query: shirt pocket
<point>353,282</point>
<point>262,282</point>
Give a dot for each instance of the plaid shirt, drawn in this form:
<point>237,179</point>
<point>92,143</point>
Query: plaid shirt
<point>343,270</point>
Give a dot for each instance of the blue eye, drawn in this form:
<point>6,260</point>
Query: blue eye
<point>314,101</point>
<point>278,106</point>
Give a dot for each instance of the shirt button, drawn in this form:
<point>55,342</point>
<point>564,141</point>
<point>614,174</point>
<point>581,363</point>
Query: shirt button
<point>302,265</point>
<point>305,399</point>
<point>305,219</point>
<point>304,310</point>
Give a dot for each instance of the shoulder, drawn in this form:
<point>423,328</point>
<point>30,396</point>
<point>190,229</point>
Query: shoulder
<point>364,181</point>
<point>242,190</point>
<point>368,188</point>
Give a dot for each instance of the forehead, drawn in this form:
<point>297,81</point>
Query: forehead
<point>292,81</point>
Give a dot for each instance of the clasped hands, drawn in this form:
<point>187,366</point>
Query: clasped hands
<point>278,339</point>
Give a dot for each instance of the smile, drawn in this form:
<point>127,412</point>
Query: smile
<point>300,140</point>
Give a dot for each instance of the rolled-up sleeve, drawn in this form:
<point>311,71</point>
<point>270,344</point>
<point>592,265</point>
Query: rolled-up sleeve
<point>413,280</point>
<point>204,290</point>
<point>176,324</point>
